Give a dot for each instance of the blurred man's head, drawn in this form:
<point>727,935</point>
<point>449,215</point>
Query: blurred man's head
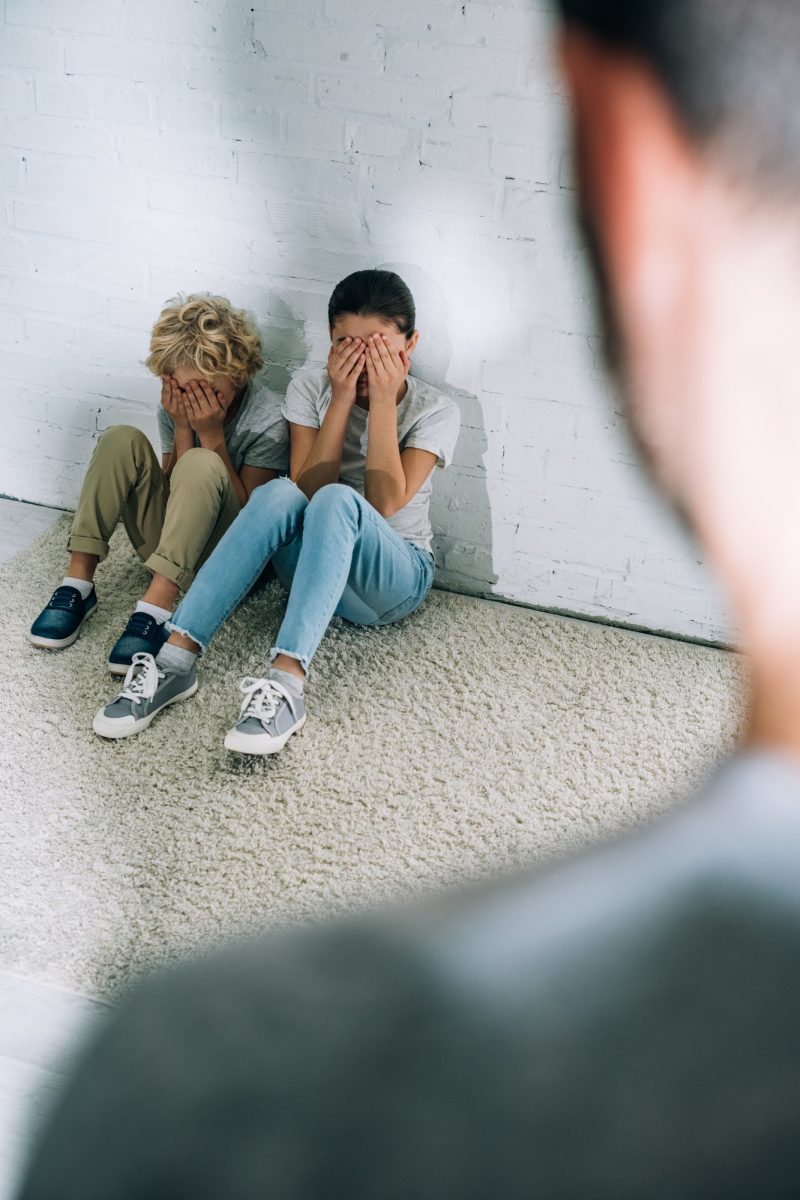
<point>687,134</point>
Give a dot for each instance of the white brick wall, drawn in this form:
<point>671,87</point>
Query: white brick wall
<point>264,149</point>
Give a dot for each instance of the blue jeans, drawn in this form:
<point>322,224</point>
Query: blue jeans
<point>335,553</point>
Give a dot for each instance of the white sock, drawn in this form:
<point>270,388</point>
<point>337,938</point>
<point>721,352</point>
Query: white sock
<point>160,614</point>
<point>84,586</point>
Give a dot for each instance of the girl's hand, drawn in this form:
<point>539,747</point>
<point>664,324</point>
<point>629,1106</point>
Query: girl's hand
<point>345,364</point>
<point>205,408</point>
<point>172,402</point>
<point>387,369</point>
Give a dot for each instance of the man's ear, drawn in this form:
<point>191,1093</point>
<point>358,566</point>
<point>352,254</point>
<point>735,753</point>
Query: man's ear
<point>412,342</point>
<point>635,169</point>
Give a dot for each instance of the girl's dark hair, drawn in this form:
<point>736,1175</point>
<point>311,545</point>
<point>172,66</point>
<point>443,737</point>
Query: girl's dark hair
<point>374,293</point>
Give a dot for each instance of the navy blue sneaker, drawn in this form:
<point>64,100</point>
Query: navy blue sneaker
<point>58,624</point>
<point>142,635</point>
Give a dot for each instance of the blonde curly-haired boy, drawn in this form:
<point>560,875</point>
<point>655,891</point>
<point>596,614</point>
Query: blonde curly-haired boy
<point>222,435</point>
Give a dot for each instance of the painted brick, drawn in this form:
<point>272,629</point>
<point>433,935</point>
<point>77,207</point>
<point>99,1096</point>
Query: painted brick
<point>384,141</point>
<point>359,46</point>
<point>80,16</point>
<point>163,154</point>
<point>250,122</point>
<point>248,71</point>
<point>190,21</point>
<point>29,49</point>
<point>264,151</point>
<point>16,92</point>
<point>425,190</point>
<point>50,133</point>
<point>182,115</point>
<point>316,132</point>
<point>119,102</point>
<point>62,98</point>
<point>407,99</point>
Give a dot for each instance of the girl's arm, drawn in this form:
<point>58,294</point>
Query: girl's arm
<point>391,479</point>
<point>316,454</point>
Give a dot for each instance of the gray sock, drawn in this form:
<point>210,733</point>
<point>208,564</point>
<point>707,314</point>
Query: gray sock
<point>175,660</point>
<point>289,681</point>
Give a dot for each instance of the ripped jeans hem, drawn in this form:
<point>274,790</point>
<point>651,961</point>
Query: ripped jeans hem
<point>303,659</point>
<point>184,633</point>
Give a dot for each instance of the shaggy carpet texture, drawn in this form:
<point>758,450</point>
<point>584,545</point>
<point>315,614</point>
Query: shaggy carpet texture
<point>471,737</point>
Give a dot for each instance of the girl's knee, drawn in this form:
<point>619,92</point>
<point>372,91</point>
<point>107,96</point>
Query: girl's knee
<point>332,498</point>
<point>281,492</point>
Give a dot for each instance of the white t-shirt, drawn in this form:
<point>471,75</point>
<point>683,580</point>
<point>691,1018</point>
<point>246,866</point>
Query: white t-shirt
<point>258,436</point>
<point>426,420</point>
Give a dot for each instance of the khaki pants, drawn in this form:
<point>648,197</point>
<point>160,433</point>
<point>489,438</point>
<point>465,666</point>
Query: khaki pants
<point>173,524</point>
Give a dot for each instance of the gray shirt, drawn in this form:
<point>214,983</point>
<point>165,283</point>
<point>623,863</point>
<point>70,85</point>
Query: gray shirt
<point>426,420</point>
<point>257,437</point>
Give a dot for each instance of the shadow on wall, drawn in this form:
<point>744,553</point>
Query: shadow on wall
<point>461,518</point>
<point>286,347</point>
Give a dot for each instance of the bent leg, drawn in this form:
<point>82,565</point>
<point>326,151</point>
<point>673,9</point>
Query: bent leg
<point>350,563</point>
<point>202,506</point>
<point>125,482</point>
<point>272,518</point>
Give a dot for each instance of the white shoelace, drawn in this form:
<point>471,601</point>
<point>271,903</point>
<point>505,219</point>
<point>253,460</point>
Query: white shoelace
<point>262,698</point>
<point>141,684</point>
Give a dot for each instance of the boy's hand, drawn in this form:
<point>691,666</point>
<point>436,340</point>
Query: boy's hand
<point>345,364</point>
<point>205,408</point>
<point>387,369</point>
<point>172,402</point>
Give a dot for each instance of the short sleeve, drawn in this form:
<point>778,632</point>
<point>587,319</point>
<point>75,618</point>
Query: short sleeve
<point>166,431</point>
<point>436,430</point>
<point>300,406</point>
<point>270,449</point>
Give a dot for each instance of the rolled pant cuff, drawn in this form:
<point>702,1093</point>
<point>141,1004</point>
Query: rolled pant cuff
<point>303,659</point>
<point>87,545</point>
<point>181,577</point>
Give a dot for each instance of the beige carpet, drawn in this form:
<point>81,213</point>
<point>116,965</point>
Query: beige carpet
<point>472,736</point>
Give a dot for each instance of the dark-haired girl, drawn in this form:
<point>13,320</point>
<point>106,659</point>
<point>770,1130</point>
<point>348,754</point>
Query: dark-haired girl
<point>348,531</point>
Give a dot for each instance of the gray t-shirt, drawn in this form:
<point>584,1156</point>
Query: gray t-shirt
<point>426,420</point>
<point>257,437</point>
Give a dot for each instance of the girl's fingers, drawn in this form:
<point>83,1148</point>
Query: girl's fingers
<point>357,366</point>
<point>353,354</point>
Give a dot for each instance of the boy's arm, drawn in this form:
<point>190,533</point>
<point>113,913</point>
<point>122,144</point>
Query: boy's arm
<point>206,413</point>
<point>183,436</point>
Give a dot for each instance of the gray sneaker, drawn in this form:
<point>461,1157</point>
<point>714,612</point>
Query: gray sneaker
<point>146,690</point>
<point>270,714</point>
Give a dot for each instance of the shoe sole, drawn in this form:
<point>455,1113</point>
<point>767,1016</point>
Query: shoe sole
<point>109,727</point>
<point>44,643</point>
<point>259,744</point>
<point>120,668</point>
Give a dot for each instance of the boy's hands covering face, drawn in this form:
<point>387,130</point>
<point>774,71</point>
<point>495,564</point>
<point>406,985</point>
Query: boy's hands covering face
<point>205,408</point>
<point>345,364</point>
<point>172,402</point>
<point>387,369</point>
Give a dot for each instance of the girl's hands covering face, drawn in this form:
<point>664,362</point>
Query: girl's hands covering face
<point>387,369</point>
<point>345,364</point>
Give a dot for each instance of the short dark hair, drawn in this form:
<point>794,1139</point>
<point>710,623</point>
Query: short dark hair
<point>374,293</point>
<point>730,68</point>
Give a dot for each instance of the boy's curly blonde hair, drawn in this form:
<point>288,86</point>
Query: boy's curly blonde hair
<point>205,332</point>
